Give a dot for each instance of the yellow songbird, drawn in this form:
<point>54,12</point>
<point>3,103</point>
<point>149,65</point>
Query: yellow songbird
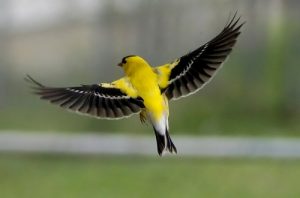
<point>146,90</point>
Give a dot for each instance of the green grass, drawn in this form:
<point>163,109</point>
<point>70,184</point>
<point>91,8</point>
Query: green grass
<point>103,176</point>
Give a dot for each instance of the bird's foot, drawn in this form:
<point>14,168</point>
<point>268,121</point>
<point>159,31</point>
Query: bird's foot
<point>143,117</point>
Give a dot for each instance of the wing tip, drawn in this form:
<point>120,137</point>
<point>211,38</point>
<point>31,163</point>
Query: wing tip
<point>232,23</point>
<point>33,82</point>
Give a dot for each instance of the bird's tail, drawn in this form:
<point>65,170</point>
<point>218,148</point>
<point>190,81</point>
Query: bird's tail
<point>164,142</point>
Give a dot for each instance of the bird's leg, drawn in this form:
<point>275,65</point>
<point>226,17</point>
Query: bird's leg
<point>143,116</point>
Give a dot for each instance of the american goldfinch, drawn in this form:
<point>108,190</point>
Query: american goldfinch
<point>146,90</point>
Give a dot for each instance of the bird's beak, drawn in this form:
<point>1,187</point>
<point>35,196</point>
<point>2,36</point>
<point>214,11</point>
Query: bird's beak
<point>120,64</point>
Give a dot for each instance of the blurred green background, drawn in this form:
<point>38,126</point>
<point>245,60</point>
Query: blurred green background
<point>135,177</point>
<point>62,43</point>
<point>67,43</point>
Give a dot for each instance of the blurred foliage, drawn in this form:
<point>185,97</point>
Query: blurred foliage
<point>65,176</point>
<point>256,92</point>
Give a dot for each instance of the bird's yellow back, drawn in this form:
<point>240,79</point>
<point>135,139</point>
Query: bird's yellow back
<point>145,81</point>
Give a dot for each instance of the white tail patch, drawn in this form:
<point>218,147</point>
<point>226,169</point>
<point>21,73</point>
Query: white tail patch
<point>160,125</point>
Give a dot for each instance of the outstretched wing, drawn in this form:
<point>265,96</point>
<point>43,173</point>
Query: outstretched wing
<point>191,72</point>
<point>107,100</point>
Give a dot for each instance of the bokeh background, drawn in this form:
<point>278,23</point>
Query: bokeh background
<point>67,43</point>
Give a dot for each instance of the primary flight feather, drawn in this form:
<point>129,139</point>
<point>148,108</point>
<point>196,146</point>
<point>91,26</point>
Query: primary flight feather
<point>146,90</point>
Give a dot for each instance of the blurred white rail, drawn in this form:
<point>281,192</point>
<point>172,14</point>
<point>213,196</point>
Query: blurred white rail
<point>146,145</point>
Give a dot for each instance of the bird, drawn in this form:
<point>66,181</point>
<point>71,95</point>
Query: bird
<point>147,90</point>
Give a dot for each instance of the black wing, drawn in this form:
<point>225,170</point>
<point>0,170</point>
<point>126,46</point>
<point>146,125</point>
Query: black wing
<point>191,72</point>
<point>94,100</point>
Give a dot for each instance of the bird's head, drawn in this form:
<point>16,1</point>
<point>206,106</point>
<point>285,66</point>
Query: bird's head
<point>132,63</point>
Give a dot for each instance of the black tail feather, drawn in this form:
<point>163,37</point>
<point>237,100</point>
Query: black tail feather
<point>170,145</point>
<point>160,140</point>
<point>164,142</point>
